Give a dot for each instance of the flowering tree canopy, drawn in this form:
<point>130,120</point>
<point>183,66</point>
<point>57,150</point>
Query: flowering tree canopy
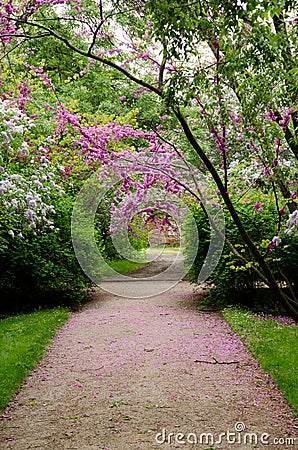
<point>222,76</point>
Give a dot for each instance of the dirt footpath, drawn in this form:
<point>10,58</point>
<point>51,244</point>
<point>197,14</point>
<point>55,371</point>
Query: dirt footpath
<point>152,373</point>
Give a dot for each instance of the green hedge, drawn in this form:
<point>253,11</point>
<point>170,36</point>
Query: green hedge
<point>232,282</point>
<point>42,269</point>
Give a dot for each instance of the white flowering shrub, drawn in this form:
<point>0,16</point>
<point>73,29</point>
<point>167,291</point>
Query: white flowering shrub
<point>27,182</point>
<point>292,223</point>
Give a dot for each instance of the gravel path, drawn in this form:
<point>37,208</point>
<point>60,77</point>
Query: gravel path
<point>123,374</point>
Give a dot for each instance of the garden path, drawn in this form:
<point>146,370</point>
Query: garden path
<point>124,373</point>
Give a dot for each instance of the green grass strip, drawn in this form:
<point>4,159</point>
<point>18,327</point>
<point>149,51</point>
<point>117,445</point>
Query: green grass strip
<point>23,341</point>
<point>125,266</point>
<point>275,346</point>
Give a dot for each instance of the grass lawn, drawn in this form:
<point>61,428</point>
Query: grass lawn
<point>23,341</point>
<point>125,266</point>
<point>275,346</point>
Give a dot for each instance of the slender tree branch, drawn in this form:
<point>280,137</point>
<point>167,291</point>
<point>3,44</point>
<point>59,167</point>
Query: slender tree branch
<point>89,54</point>
<point>289,286</point>
<point>95,36</point>
<point>101,11</point>
<point>12,49</point>
<point>25,36</point>
<point>277,207</point>
<point>290,138</point>
<point>162,67</point>
<point>280,28</point>
<point>215,361</point>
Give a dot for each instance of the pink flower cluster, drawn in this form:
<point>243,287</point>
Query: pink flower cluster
<point>39,71</point>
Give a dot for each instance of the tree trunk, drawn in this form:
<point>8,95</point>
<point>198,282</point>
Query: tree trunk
<point>287,302</point>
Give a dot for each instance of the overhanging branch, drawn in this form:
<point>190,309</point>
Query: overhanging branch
<point>88,54</point>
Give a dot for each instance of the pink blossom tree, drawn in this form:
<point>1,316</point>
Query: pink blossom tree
<point>225,73</point>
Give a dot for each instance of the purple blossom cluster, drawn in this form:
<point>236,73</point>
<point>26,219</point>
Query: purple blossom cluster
<point>155,165</point>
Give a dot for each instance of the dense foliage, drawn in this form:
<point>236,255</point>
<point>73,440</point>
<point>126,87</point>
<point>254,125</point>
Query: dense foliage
<point>233,281</point>
<point>160,85</point>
